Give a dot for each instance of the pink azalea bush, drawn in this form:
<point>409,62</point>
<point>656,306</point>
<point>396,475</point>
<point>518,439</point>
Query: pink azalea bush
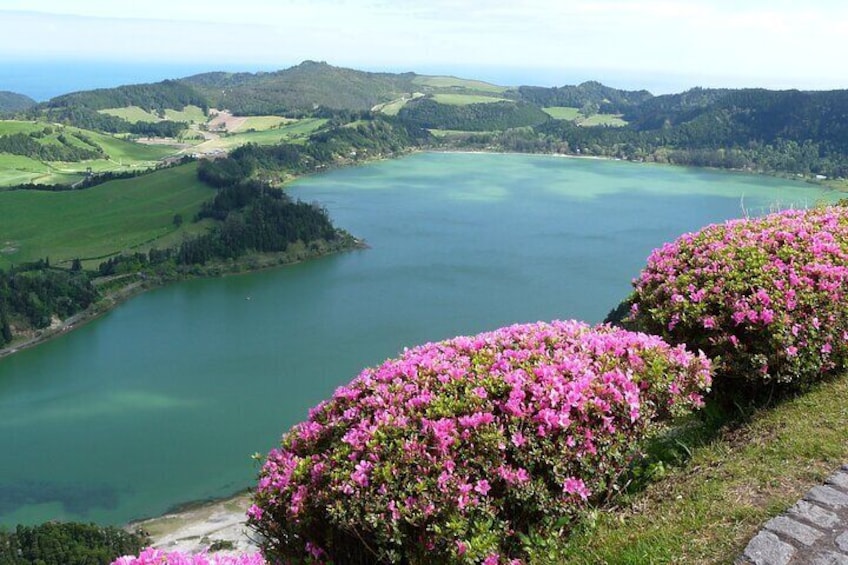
<point>450,452</point>
<point>764,298</point>
<point>151,556</point>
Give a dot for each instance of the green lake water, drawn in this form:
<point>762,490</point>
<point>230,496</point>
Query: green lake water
<point>164,399</point>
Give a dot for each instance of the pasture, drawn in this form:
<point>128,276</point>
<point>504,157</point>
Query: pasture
<point>123,215</point>
<point>458,83</point>
<point>571,114</point>
<point>464,99</point>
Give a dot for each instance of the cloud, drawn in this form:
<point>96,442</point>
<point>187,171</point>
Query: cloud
<point>756,38</point>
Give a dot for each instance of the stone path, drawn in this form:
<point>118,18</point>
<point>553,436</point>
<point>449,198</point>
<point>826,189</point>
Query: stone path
<point>813,532</point>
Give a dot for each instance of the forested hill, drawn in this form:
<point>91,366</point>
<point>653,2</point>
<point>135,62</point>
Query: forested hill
<point>756,114</point>
<point>300,88</point>
<point>606,100</point>
<point>154,97</point>
<point>14,102</point>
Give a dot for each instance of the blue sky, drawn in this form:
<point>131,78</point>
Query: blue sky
<point>773,43</point>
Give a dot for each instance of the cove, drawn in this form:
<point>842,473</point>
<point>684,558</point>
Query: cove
<point>164,399</point>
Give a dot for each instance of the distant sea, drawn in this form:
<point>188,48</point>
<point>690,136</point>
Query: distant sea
<point>43,80</point>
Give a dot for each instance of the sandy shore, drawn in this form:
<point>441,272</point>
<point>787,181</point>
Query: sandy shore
<point>199,527</point>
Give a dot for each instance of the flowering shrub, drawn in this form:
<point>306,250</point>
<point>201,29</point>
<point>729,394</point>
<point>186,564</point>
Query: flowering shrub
<point>151,556</point>
<point>764,298</point>
<point>451,452</point>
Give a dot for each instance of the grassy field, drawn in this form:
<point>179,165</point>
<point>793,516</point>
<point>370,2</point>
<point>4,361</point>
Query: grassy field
<point>131,214</point>
<point>393,107</point>
<point>731,475</point>
<point>293,133</point>
<point>11,127</point>
<point>189,114</point>
<point>562,112</point>
<point>453,82</point>
<point>570,114</point>
<point>132,114</point>
<point>263,123</point>
<point>611,120</point>
<point>463,99</point>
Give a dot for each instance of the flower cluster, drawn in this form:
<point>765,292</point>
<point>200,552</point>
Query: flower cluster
<point>151,556</point>
<point>764,298</point>
<point>451,452</point>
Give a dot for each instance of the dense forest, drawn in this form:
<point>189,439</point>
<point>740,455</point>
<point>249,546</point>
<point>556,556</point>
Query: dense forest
<point>427,113</point>
<point>32,294</point>
<point>57,543</point>
<point>605,99</point>
<point>156,97</point>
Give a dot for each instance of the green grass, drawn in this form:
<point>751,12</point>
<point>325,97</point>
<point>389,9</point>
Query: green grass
<point>453,82</point>
<point>132,114</point>
<point>562,112</point>
<point>738,476</point>
<point>122,155</point>
<point>262,123</point>
<point>130,214</point>
<point>611,120</point>
<point>392,108</point>
<point>11,127</point>
<point>463,99</point>
<point>16,169</point>
<point>570,114</point>
<point>288,133</point>
<point>189,114</point>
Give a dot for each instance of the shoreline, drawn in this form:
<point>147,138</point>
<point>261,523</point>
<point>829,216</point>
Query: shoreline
<point>244,266</point>
<point>217,525</point>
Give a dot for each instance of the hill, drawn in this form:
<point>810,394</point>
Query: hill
<point>300,88</point>
<point>14,102</point>
<point>606,100</point>
<point>311,85</point>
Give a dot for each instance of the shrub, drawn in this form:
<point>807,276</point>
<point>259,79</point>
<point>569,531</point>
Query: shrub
<point>151,556</point>
<point>455,451</point>
<point>763,298</point>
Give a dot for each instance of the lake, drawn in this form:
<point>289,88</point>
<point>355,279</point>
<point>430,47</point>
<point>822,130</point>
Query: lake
<point>164,399</point>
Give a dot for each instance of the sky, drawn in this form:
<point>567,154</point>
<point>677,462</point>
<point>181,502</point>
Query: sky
<point>670,44</point>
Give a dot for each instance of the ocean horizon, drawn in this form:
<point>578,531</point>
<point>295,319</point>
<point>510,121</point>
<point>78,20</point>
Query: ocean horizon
<point>45,79</point>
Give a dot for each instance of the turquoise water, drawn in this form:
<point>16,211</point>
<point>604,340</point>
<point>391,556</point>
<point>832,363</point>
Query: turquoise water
<point>164,399</point>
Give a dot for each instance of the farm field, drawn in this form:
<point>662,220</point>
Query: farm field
<point>562,112</point>
<point>122,154</point>
<point>291,133</point>
<point>453,82</point>
<point>263,123</point>
<point>189,114</point>
<point>121,215</point>
<point>570,114</point>
<point>463,99</point>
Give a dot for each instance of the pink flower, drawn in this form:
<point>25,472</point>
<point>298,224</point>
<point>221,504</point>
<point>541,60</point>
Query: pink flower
<point>576,486</point>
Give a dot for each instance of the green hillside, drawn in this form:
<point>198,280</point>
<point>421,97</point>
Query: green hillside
<point>45,153</point>
<point>14,102</point>
<point>131,214</point>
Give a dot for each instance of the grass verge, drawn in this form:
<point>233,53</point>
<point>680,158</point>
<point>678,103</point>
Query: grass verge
<point>720,479</point>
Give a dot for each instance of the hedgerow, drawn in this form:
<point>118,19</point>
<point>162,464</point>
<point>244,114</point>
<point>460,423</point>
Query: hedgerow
<point>764,298</point>
<point>455,451</point>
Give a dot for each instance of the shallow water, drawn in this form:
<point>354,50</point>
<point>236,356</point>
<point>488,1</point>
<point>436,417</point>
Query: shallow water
<point>164,399</point>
